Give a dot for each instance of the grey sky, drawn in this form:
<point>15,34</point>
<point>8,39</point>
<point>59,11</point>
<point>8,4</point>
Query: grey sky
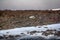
<point>29,4</point>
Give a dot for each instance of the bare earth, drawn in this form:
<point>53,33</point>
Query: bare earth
<point>23,18</point>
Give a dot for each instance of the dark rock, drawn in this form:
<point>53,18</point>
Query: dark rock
<point>57,33</point>
<point>32,38</point>
<point>48,32</point>
<point>45,27</point>
<point>17,36</point>
<point>11,36</point>
<point>32,32</point>
<point>1,37</point>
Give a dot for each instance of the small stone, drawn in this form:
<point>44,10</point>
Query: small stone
<point>32,17</point>
<point>0,28</point>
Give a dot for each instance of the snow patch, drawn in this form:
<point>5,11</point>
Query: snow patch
<point>26,31</point>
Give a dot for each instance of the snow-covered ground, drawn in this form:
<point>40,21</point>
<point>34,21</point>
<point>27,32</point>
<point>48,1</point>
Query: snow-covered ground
<point>55,9</point>
<point>31,31</point>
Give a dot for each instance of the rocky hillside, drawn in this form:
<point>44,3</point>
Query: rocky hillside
<point>11,19</point>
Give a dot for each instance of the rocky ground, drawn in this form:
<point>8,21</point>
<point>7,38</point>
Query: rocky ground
<point>24,18</point>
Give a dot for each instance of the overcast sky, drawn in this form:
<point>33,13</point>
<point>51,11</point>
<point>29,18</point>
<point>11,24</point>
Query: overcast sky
<point>29,4</point>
